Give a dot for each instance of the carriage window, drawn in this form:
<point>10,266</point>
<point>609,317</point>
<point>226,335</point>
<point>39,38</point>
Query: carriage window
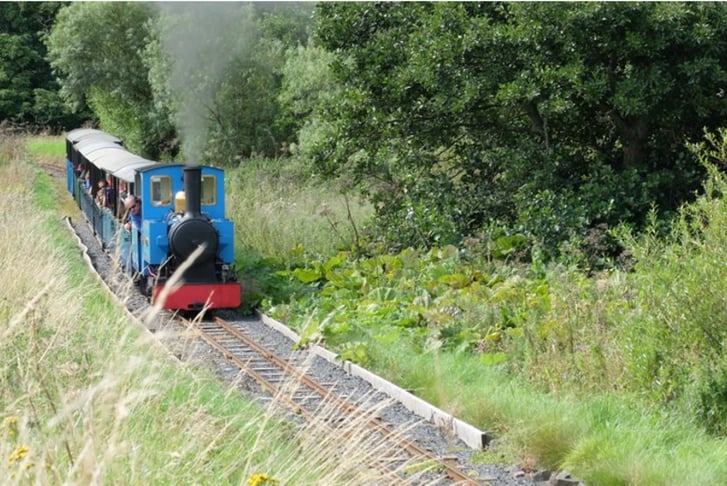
<point>161,190</point>
<point>209,190</point>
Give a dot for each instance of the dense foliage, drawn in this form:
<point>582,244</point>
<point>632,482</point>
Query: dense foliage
<point>546,119</point>
<point>187,77</point>
<point>28,91</point>
<point>547,123</point>
<point>224,76</point>
<point>491,138</point>
<point>99,50</point>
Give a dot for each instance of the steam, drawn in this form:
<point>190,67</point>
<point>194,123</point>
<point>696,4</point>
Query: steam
<point>202,40</point>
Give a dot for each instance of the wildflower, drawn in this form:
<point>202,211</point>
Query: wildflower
<point>261,479</point>
<point>11,424</point>
<point>17,455</point>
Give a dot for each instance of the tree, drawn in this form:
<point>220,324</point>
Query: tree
<point>98,51</point>
<point>28,91</point>
<point>541,118</point>
<point>630,85</point>
<point>307,85</point>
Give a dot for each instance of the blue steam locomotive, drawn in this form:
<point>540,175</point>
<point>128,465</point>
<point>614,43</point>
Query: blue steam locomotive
<point>180,249</point>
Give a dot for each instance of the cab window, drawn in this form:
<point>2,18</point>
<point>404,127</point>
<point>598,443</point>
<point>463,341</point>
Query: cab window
<point>209,190</point>
<point>161,190</point>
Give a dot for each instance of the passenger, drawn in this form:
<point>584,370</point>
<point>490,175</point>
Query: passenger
<point>122,197</point>
<point>87,182</point>
<point>109,196</point>
<point>101,194</point>
<point>133,206</point>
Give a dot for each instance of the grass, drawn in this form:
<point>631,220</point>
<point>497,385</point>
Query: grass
<point>569,395</point>
<point>46,147</point>
<point>604,439</point>
<point>283,218</point>
<point>619,377</point>
<point>285,215</point>
<point>87,398</point>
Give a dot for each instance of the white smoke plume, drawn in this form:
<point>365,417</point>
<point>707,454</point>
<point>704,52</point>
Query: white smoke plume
<point>201,39</point>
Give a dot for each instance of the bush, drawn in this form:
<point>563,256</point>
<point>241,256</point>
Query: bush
<point>712,400</point>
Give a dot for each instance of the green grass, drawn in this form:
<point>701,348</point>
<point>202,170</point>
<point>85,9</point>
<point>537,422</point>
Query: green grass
<point>604,439</point>
<point>284,218</point>
<point>46,146</point>
<point>568,391</point>
<point>619,376</point>
<point>613,376</point>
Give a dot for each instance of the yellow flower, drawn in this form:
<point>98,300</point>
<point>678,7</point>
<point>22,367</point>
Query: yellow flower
<point>17,455</point>
<point>261,479</point>
<point>10,423</point>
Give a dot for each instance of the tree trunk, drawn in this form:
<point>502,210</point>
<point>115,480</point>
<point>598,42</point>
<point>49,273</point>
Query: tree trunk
<point>633,134</point>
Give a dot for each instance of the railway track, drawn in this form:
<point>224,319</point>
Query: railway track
<point>53,169</point>
<point>286,378</point>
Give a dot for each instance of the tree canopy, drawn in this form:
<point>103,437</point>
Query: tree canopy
<point>200,78</point>
<point>540,121</point>
<point>99,51</point>
<point>545,118</point>
<point>28,91</point>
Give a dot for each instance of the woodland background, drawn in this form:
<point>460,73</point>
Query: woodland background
<point>547,123</point>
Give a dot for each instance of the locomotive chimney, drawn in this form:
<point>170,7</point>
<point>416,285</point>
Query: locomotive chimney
<point>192,190</point>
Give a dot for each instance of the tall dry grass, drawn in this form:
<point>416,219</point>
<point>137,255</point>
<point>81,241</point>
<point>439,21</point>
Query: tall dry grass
<point>281,212</point>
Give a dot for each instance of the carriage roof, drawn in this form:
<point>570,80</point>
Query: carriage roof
<point>106,152</point>
<point>79,134</point>
<point>100,150</point>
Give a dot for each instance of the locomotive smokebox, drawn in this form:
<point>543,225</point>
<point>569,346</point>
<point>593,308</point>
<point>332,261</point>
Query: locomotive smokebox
<point>192,191</point>
<point>194,231</point>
